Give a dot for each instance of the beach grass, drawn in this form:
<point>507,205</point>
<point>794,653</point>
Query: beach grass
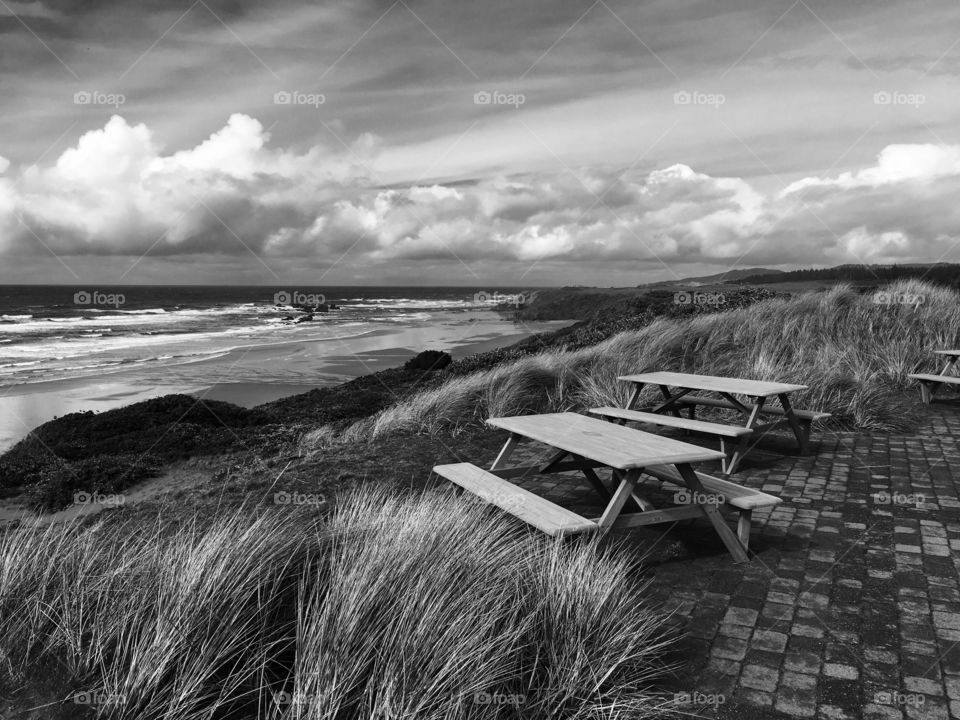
<point>425,605</point>
<point>853,350</point>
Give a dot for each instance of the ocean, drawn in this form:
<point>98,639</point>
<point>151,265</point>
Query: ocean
<point>67,349</point>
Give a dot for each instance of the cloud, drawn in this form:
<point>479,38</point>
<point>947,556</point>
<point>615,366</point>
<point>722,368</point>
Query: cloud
<point>117,193</point>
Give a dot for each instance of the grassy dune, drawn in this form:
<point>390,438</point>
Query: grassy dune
<point>853,350</point>
<point>428,606</point>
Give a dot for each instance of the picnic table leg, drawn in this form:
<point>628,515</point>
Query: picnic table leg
<point>620,496</point>
<point>634,396</point>
<point>508,447</point>
<point>665,391</point>
<point>710,511</point>
<point>597,483</point>
<point>951,361</point>
<point>795,424</point>
<point>729,465</point>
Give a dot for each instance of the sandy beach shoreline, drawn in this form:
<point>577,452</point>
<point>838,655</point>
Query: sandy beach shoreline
<point>255,375</point>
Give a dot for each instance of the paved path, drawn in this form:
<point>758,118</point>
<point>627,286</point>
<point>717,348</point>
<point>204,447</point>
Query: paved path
<point>851,606</point>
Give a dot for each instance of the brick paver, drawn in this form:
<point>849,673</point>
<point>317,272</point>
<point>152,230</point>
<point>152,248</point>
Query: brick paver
<point>850,605</point>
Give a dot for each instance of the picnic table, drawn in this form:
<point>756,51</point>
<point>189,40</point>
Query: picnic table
<point>676,389</point>
<point>948,376</point>
<point>581,443</point>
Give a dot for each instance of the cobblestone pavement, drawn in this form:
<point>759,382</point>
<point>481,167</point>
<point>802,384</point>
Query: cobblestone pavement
<point>850,605</point>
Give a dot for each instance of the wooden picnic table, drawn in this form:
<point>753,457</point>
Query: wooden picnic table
<point>583,443</point>
<point>676,389</point>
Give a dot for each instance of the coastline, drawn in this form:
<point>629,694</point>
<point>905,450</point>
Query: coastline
<point>26,406</point>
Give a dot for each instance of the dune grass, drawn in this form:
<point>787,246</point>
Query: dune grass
<point>853,350</point>
<point>421,607</point>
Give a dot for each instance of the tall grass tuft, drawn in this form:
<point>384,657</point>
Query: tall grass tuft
<point>853,350</point>
<point>427,606</point>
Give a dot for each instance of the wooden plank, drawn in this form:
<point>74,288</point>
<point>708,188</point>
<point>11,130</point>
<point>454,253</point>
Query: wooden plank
<point>607,443</point>
<point>954,353</point>
<point>767,409</point>
<point>670,421</point>
<point>655,517</point>
<point>945,379</point>
<point>713,383</point>
<point>736,495</point>
<point>532,509</point>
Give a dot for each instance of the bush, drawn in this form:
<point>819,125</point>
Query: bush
<point>58,482</point>
<point>394,607</point>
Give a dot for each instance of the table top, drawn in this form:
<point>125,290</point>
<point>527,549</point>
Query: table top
<point>955,353</point>
<point>713,383</point>
<point>613,445</point>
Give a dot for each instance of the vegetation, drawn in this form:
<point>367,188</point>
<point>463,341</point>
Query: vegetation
<point>423,606</point>
<point>947,274</point>
<point>853,350</point>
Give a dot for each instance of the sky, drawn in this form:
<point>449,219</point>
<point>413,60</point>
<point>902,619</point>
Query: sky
<point>531,142</point>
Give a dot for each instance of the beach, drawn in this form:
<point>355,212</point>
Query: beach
<point>253,374</point>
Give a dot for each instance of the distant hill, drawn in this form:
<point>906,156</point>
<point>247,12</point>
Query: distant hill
<point>728,276</point>
<point>940,273</point>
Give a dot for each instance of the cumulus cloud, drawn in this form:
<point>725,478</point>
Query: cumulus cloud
<point>116,192</point>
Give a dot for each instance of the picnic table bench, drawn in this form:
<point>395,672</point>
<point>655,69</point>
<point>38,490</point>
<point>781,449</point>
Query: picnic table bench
<point>739,436</point>
<point>585,444</point>
<point>929,382</point>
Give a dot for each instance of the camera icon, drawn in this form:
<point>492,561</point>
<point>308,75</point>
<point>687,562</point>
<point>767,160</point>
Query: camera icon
<point>481,297</point>
<point>882,298</point>
<point>281,498</point>
<point>282,298</point>
<point>482,98</point>
<point>682,298</point>
<point>82,98</point>
<point>482,698</point>
<point>282,698</point>
<point>82,298</point>
<point>883,698</point>
<point>682,497</point>
<point>282,98</point>
<point>82,498</point>
<point>682,98</point>
<point>882,98</point>
<point>84,698</point>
